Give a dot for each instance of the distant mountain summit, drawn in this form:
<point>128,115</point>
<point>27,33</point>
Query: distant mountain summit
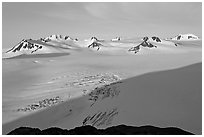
<point>185,37</point>
<point>25,45</point>
<point>116,39</point>
<point>57,38</point>
<point>51,44</point>
<point>94,42</point>
<point>94,39</point>
<point>151,42</point>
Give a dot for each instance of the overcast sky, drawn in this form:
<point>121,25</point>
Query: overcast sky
<point>103,20</point>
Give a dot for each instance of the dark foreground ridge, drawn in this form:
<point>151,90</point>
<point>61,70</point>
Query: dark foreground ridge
<point>90,130</point>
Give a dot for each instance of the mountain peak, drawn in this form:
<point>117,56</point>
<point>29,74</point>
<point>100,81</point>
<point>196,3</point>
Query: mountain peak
<point>187,36</point>
<point>56,37</point>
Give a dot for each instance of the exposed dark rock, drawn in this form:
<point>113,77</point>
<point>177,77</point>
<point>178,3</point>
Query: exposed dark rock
<point>18,48</point>
<point>66,37</point>
<point>95,44</point>
<point>25,45</point>
<point>26,131</point>
<point>101,118</point>
<point>94,38</point>
<point>190,37</point>
<point>145,43</point>
<point>90,130</point>
<point>179,37</point>
<point>156,39</point>
<point>55,131</point>
<point>99,79</point>
<point>41,104</point>
<point>106,91</point>
<point>145,38</point>
<point>136,49</point>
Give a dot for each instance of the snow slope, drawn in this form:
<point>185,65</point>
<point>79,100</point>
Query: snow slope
<point>166,98</point>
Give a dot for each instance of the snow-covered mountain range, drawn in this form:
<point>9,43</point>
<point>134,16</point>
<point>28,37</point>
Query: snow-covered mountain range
<point>65,44</point>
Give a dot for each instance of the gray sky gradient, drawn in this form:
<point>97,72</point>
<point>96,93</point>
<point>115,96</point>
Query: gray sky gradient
<point>103,20</point>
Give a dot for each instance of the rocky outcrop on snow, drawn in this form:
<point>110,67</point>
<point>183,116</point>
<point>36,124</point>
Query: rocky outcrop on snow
<point>145,43</point>
<point>106,91</point>
<point>185,37</point>
<point>26,45</point>
<point>94,39</point>
<point>101,118</point>
<point>156,39</point>
<point>41,104</point>
<point>56,38</point>
<point>152,42</point>
<point>95,80</point>
<point>90,130</point>
<point>94,42</point>
<point>51,44</point>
